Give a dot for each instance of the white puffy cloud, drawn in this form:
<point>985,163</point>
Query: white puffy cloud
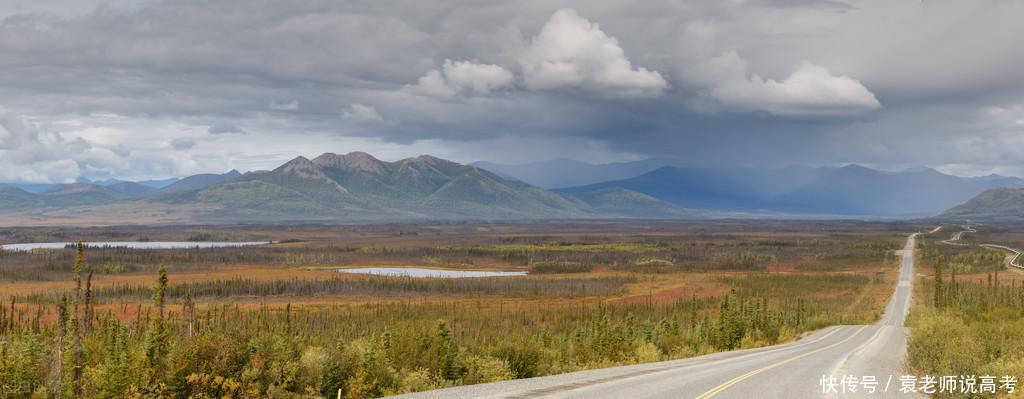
<point>570,52</point>
<point>134,148</point>
<point>465,76</point>
<point>811,90</point>
<point>361,113</point>
<point>434,84</point>
<point>29,154</point>
<point>480,78</point>
<point>724,77</point>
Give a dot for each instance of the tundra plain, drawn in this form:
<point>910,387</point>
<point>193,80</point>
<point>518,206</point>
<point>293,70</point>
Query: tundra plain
<point>277,321</point>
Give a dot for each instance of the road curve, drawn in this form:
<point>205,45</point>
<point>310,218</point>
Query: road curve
<point>793,370</point>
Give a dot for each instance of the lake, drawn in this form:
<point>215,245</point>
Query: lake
<point>133,245</point>
<point>421,272</point>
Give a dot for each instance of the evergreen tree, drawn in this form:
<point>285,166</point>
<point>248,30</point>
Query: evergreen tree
<point>952,293</point>
<point>78,322</point>
<point>693,311</point>
<point>160,291</point>
<point>87,317</point>
<point>446,351</point>
<point>156,337</point>
<point>188,309</point>
<point>995,285</point>
<point>63,320</point>
<point>937,294</point>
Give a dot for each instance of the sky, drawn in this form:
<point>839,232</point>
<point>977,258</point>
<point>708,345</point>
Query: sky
<point>136,90</point>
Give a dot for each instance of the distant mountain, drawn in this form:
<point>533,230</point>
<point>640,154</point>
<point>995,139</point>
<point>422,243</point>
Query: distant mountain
<point>850,190</point>
<point>29,187</point>
<point>563,172</point>
<point>15,198</point>
<point>1004,204</point>
<point>158,183</point>
<point>620,202</point>
<point>59,195</point>
<point>107,182</point>
<point>196,181</point>
<point>863,191</point>
<point>80,194</point>
<point>727,189</point>
<point>40,187</point>
<point>132,188</point>
<point>357,186</point>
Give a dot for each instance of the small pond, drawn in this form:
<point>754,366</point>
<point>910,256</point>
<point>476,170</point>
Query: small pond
<point>133,245</point>
<point>421,272</point>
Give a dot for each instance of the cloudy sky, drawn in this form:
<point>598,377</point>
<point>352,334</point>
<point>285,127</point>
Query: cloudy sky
<point>135,89</point>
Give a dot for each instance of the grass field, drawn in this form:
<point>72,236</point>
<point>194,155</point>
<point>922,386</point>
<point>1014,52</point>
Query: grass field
<point>275,321</point>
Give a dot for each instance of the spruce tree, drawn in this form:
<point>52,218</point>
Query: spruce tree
<point>937,294</point>
<point>446,351</point>
<point>188,309</point>
<point>693,311</point>
<point>995,286</point>
<point>156,337</point>
<point>63,321</point>
<point>952,294</point>
<point>87,317</point>
<point>160,291</point>
<point>78,323</point>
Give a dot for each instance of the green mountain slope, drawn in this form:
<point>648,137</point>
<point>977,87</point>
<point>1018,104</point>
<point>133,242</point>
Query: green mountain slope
<point>132,189</point>
<point>16,198</point>
<point>288,190</point>
<point>357,186</point>
<point>81,194</point>
<point>625,203</point>
<point>76,194</point>
<point>997,203</point>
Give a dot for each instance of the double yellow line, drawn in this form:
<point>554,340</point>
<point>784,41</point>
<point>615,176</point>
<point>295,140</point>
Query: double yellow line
<point>733,381</point>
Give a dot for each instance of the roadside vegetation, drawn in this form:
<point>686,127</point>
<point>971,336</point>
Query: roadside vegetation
<point>273,322</point>
<point>970,320</point>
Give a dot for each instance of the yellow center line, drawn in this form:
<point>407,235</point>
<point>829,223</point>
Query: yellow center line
<point>733,381</point>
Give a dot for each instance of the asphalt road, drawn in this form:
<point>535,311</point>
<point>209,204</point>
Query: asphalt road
<point>801,369</point>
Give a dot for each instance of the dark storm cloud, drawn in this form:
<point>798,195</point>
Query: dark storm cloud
<point>761,81</point>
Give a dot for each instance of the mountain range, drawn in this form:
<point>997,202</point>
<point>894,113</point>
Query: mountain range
<point>358,187</point>
<point>332,187</point>
<point>130,185</point>
<point>559,173</point>
<point>63,195</point>
<point>850,190</point>
<point>998,204</point>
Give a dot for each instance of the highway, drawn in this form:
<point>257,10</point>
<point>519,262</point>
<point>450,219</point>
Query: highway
<point>801,369</point>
